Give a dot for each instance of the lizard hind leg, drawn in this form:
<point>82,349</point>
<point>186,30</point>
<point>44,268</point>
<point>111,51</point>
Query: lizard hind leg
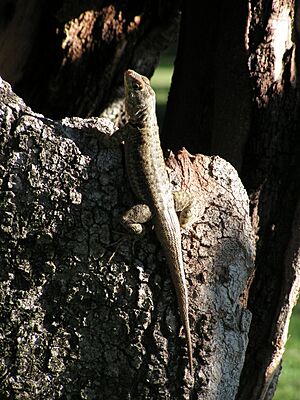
<point>133,219</point>
<point>185,203</point>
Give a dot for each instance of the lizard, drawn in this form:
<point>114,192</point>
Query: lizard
<point>149,181</point>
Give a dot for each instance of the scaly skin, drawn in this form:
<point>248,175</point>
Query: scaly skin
<point>149,181</point>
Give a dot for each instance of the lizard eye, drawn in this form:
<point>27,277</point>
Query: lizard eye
<point>136,86</point>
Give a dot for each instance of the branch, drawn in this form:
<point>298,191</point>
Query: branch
<point>89,311</point>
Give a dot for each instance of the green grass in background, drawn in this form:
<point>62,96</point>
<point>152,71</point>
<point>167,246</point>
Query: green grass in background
<point>161,81</point>
<point>289,382</point>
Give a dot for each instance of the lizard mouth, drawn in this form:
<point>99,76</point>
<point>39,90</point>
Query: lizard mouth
<point>131,74</point>
<point>133,82</point>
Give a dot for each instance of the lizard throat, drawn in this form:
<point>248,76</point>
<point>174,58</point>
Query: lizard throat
<point>141,117</point>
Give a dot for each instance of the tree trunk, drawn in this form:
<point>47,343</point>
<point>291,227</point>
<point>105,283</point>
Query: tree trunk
<point>88,314</point>
<point>240,100</point>
<point>209,101</point>
<point>68,58</point>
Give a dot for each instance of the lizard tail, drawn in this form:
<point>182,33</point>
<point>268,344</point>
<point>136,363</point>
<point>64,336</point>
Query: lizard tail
<point>183,310</point>
<point>178,277</point>
<point>168,232</point>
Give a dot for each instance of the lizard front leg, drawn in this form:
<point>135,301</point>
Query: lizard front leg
<point>135,217</point>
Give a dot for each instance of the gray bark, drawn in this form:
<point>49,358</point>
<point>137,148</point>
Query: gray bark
<point>88,312</point>
<point>240,99</point>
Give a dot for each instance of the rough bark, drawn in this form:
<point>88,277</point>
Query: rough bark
<point>240,100</point>
<point>272,153</point>
<point>88,312</point>
<point>67,58</point>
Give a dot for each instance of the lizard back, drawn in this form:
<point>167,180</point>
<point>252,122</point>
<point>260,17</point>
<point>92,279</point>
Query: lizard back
<point>149,181</point>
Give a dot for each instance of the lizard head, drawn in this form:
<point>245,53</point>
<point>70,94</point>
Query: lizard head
<point>139,95</point>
